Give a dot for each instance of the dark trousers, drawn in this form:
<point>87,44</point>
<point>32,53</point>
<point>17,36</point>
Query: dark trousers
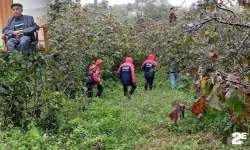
<point>23,42</point>
<point>148,83</point>
<point>90,87</point>
<point>125,89</point>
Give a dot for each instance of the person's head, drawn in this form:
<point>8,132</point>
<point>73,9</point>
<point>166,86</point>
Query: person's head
<point>17,9</point>
<point>98,62</point>
<point>129,60</point>
<point>151,57</point>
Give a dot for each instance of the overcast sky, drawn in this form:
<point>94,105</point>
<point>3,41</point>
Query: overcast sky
<point>173,2</point>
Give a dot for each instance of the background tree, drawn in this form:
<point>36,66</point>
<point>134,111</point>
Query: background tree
<point>129,6</point>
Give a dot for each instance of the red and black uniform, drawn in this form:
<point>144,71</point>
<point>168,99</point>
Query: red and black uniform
<point>149,67</point>
<point>93,78</point>
<point>126,73</point>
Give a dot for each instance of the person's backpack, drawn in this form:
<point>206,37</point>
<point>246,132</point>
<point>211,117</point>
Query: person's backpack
<point>149,70</point>
<point>89,75</point>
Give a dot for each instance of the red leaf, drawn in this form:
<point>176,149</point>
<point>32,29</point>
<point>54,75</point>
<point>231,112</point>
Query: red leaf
<point>177,112</point>
<point>199,106</point>
<point>214,56</point>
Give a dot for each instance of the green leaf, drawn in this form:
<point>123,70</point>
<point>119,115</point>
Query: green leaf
<point>210,40</point>
<point>2,61</point>
<point>33,133</point>
<point>227,131</point>
<point>215,38</point>
<point>247,76</point>
<point>188,39</point>
<point>211,6</point>
<point>207,33</point>
<point>248,14</point>
<point>244,127</point>
<point>234,102</point>
<point>213,99</point>
<point>3,91</point>
<point>206,86</point>
<point>129,27</point>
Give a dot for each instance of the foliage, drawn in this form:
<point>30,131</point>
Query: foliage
<point>177,111</point>
<point>121,12</point>
<point>42,100</point>
<point>95,33</point>
<point>115,123</point>
<point>156,10</point>
<point>19,86</point>
<point>101,127</point>
<point>33,88</point>
<point>230,93</point>
<point>42,94</point>
<point>220,38</point>
<point>226,46</point>
<point>129,6</point>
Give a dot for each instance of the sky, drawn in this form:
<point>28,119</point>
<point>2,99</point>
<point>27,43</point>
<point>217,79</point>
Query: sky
<point>179,2</point>
<point>173,2</point>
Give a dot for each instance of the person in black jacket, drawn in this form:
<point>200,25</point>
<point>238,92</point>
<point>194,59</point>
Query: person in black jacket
<point>126,73</point>
<point>149,67</point>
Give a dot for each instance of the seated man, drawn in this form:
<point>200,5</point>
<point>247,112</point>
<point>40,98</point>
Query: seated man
<point>20,29</point>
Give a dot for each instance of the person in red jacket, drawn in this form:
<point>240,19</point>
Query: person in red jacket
<point>93,78</point>
<point>126,73</point>
<point>149,67</point>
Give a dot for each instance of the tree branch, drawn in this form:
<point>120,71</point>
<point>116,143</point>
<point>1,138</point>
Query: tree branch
<point>232,24</point>
<point>198,26</point>
<point>241,46</point>
<point>228,11</point>
<point>242,42</point>
<point>179,6</point>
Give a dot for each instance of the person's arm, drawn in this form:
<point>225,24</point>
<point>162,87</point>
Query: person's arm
<point>142,66</point>
<point>96,78</point>
<point>32,29</point>
<point>133,73</point>
<point>118,72</point>
<point>97,70</point>
<point>7,31</point>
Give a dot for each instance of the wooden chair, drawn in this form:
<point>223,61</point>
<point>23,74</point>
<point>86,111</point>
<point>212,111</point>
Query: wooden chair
<point>45,36</point>
<point>32,44</point>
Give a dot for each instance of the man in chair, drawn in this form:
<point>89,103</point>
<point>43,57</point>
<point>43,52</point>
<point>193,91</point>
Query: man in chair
<point>20,29</point>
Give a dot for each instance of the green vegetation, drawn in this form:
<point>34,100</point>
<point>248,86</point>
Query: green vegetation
<point>113,122</point>
<point>43,103</point>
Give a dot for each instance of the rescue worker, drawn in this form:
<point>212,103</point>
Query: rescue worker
<point>93,78</point>
<point>149,67</point>
<point>126,73</point>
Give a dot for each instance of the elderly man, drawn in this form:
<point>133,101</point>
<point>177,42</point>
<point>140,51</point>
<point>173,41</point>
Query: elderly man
<point>20,29</point>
